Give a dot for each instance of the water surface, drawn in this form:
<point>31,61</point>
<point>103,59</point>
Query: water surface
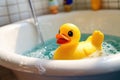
<point>111,45</point>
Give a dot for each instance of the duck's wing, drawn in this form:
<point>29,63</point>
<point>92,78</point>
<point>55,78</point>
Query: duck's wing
<point>97,39</point>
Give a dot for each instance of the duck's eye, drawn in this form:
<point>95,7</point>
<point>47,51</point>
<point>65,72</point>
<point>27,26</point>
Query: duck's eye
<point>70,33</point>
<point>59,31</point>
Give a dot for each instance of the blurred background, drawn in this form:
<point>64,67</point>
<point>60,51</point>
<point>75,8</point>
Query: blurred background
<point>16,10</point>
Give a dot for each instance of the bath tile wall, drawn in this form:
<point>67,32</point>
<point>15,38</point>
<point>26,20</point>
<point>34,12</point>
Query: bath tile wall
<point>15,10</point>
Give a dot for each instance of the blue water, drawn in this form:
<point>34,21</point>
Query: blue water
<point>111,45</point>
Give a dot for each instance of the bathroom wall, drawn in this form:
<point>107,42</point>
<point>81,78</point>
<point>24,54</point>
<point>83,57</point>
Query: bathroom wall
<point>15,10</point>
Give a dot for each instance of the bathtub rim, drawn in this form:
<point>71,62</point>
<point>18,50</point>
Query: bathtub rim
<point>60,67</point>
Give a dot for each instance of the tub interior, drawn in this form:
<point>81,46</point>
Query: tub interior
<point>18,37</point>
<point>22,36</point>
<point>87,21</point>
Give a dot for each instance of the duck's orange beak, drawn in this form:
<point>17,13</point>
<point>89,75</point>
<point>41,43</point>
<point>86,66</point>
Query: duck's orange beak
<point>62,39</point>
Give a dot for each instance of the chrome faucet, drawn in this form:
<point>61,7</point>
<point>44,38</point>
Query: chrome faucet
<point>40,37</point>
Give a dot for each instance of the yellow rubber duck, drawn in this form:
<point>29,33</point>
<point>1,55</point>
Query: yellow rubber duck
<point>70,48</point>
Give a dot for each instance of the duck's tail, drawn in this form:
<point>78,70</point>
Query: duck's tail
<point>97,39</point>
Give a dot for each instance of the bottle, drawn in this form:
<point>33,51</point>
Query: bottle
<point>68,5</point>
<point>96,4</point>
<point>53,6</point>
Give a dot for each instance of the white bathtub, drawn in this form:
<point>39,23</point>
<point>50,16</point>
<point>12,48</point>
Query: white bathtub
<point>19,37</point>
